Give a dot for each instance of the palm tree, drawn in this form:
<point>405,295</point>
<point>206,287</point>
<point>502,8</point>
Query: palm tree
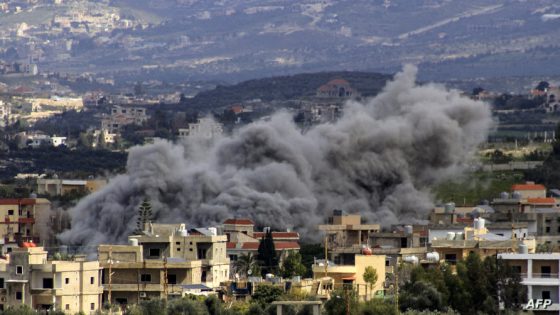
<point>245,263</point>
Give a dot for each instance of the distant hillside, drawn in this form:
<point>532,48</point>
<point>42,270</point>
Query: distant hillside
<point>286,88</point>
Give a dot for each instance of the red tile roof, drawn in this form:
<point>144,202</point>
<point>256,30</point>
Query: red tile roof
<point>541,200</point>
<point>527,187</point>
<point>230,245</point>
<point>13,201</point>
<point>286,245</point>
<point>250,246</point>
<point>239,222</point>
<point>278,235</point>
<point>338,82</point>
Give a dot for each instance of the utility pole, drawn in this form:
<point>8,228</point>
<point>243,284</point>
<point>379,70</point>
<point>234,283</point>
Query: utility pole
<point>397,286</point>
<point>326,255</point>
<point>110,277</point>
<point>165,278</point>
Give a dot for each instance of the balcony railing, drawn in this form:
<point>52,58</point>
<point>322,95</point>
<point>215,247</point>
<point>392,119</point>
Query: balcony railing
<point>545,275</point>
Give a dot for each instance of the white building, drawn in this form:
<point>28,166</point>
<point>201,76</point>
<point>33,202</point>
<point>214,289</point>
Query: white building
<point>204,128</point>
<point>38,140</point>
<point>58,141</point>
<point>539,273</point>
<point>103,134</point>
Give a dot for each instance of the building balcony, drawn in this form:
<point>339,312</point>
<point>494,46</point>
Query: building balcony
<point>544,279</point>
<point>26,220</point>
<point>150,287</point>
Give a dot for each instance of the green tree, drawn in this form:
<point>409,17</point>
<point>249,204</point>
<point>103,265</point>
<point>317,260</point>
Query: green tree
<point>342,302</point>
<point>267,255</point>
<point>246,263</point>
<point>310,252</point>
<point>292,266</point>
<point>186,306</point>
<point>421,295</point>
<point>378,307</point>
<point>144,215</point>
<point>370,277</point>
<point>266,293</point>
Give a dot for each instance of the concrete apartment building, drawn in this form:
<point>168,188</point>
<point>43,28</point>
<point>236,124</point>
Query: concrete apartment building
<point>23,220</point>
<point>529,203</point>
<point>540,274</point>
<point>477,239</point>
<point>165,260</point>
<point>135,278</point>
<point>61,187</point>
<point>347,237</point>
<point>352,275</point>
<point>203,128</point>
<point>121,116</point>
<point>175,241</point>
<point>29,278</point>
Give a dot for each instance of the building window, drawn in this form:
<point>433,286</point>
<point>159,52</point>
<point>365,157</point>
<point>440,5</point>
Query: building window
<point>171,279</point>
<point>47,283</point>
<point>177,243</point>
<point>546,295</point>
<point>178,249</point>
<point>201,252</point>
<point>67,280</point>
<point>18,296</point>
<point>146,277</point>
<point>1,283</point>
<point>547,230</point>
<point>19,270</point>
<point>10,212</point>
<point>154,252</point>
<point>67,306</point>
<point>92,306</point>
<point>92,280</point>
<point>20,212</point>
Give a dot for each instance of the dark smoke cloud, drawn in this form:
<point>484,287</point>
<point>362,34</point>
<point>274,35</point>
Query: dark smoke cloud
<point>379,159</point>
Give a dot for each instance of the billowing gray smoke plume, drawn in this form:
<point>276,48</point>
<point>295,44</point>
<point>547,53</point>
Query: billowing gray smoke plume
<point>379,159</point>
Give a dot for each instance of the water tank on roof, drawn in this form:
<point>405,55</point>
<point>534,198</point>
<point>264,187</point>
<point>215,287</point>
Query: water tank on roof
<point>459,236</point>
<point>479,223</point>
<point>449,207</point>
<point>523,249</point>
<point>183,233</point>
<point>366,250</point>
<point>484,202</point>
<point>33,195</point>
<point>432,257</point>
<point>504,195</point>
<point>213,231</point>
<point>337,212</point>
<point>133,242</point>
<point>408,229</point>
<point>516,195</point>
<point>450,236</point>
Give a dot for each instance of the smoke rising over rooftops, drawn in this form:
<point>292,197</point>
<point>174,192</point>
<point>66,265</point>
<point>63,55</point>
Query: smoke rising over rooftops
<point>379,159</point>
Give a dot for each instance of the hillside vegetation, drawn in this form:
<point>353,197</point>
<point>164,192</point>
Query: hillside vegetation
<point>286,88</point>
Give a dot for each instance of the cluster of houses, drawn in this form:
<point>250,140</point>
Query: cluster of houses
<point>173,260</point>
